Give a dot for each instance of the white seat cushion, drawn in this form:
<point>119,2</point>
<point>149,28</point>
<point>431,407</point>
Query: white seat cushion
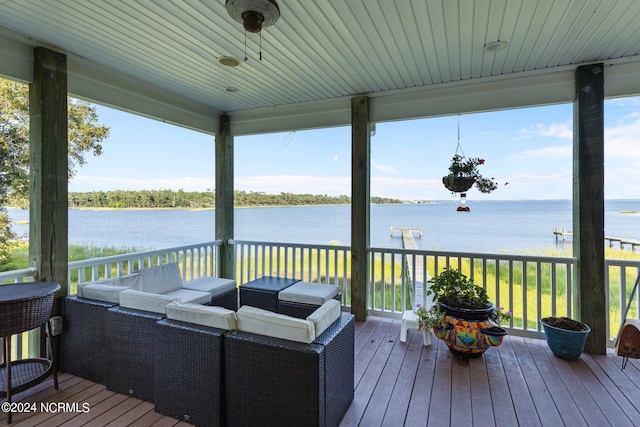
<point>263,322</point>
<point>145,301</point>
<point>215,317</point>
<point>308,293</point>
<point>325,315</point>
<point>161,279</point>
<point>188,296</point>
<point>103,292</point>
<point>214,285</point>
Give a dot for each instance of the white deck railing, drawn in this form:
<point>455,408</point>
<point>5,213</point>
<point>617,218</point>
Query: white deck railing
<point>196,260</point>
<point>312,263</point>
<point>530,287</point>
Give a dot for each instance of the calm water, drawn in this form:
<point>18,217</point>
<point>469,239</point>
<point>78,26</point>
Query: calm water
<point>510,226</point>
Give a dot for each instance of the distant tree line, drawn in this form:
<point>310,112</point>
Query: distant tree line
<point>205,199</point>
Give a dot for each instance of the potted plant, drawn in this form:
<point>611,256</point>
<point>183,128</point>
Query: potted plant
<point>463,173</point>
<point>471,320</point>
<point>565,337</point>
<point>429,319</point>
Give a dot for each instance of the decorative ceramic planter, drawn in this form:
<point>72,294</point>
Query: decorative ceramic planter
<point>469,332</point>
<point>458,185</point>
<point>564,343</point>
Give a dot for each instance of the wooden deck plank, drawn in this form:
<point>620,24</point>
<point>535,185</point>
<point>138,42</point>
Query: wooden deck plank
<point>540,394</point>
<point>399,402</point>
<point>132,415</point>
<point>418,411</point>
<point>580,395</point>
<point>369,351</point>
<point>411,385</point>
<point>504,411</point>
<point>628,388</point>
<point>461,393</point>
<point>116,411</point>
<point>382,393</point>
<point>522,400</point>
<point>567,409</point>
<point>440,404</point>
<point>80,392</point>
<point>627,409</point>
<point>480,393</point>
<point>381,346</point>
<point>598,389</point>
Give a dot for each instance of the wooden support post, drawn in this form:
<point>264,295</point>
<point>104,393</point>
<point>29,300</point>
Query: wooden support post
<point>590,300</point>
<point>360,198</point>
<point>224,197</point>
<point>48,168</point>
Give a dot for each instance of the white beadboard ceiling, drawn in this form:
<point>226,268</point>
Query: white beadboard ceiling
<point>414,58</point>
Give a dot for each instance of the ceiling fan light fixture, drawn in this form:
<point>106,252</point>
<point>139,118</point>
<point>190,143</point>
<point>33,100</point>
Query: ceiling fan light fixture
<point>229,61</point>
<point>253,14</point>
<point>495,46</point>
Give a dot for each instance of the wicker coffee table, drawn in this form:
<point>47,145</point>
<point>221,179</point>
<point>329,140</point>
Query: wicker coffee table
<point>263,292</point>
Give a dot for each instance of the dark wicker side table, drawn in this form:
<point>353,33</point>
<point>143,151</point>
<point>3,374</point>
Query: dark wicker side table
<point>263,292</point>
<point>23,307</point>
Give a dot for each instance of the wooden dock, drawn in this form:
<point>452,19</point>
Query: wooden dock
<point>415,264</point>
<point>633,243</point>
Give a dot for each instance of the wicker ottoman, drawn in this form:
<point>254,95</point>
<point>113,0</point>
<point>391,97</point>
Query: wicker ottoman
<point>131,337</point>
<point>263,292</point>
<point>189,372</point>
<point>303,298</point>
<point>84,338</point>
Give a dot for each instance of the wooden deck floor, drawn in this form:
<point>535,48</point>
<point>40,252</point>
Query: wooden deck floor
<point>519,383</point>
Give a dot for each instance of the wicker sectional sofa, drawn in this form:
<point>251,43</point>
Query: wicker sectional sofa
<point>210,373</point>
<point>212,366</point>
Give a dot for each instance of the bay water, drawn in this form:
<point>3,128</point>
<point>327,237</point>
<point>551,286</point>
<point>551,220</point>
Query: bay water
<point>490,226</point>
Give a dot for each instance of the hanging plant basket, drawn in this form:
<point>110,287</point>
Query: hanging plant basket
<point>458,184</point>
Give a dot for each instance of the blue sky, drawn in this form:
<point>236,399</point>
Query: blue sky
<point>530,148</point>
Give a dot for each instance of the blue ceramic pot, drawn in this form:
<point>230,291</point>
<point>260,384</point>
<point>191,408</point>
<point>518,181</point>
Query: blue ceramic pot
<point>564,343</point>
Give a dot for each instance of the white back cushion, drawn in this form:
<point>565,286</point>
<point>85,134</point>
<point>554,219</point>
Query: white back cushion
<point>215,317</point>
<point>145,301</point>
<point>325,315</point>
<point>263,322</point>
<point>161,279</point>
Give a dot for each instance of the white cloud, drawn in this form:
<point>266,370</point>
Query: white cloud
<point>335,158</point>
<point>82,183</point>
<point>622,141</point>
<point>275,184</point>
<point>553,130</point>
<point>552,152</point>
<point>382,168</point>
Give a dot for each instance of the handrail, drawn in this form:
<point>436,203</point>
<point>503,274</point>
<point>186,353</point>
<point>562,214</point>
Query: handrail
<point>18,276</point>
<point>531,286</point>
<point>196,260</point>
